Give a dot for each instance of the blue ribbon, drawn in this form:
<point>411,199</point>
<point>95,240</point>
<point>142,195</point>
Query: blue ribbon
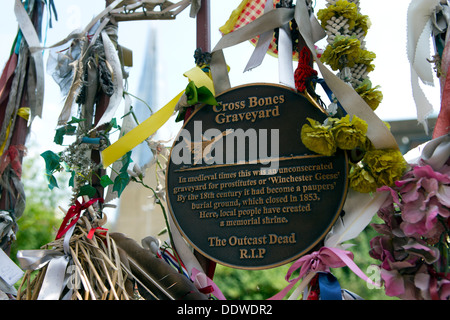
<point>329,94</point>
<point>330,289</point>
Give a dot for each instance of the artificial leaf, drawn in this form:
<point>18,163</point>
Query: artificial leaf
<point>72,179</point>
<point>51,161</point>
<point>61,132</point>
<point>87,190</point>
<point>52,183</point>
<point>126,160</point>
<point>113,123</point>
<point>105,181</point>
<point>120,182</point>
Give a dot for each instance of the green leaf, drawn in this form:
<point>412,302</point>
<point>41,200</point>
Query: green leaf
<point>126,160</point>
<point>113,123</point>
<point>72,179</point>
<point>120,182</point>
<point>61,132</point>
<point>51,161</point>
<point>105,181</point>
<point>87,190</point>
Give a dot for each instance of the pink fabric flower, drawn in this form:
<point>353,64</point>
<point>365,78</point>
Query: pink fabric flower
<point>415,234</point>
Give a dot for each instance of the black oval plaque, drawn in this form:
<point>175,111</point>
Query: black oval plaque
<point>241,186</point>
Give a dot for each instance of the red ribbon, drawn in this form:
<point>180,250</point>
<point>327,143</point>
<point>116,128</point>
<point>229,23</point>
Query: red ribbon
<point>92,231</point>
<point>318,261</point>
<point>73,214</point>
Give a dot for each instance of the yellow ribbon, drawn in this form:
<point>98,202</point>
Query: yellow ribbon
<point>23,112</point>
<point>144,130</point>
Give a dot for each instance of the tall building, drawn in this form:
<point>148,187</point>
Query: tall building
<point>138,216</point>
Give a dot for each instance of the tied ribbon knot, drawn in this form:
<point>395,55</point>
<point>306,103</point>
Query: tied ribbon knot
<point>73,214</point>
<point>320,261</point>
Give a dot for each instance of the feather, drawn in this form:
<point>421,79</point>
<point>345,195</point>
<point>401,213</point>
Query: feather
<point>157,277</point>
<point>359,209</point>
<point>113,59</point>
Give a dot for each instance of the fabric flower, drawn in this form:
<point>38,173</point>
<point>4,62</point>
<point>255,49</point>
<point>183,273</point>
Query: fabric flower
<point>413,246</point>
<point>425,198</point>
<point>344,51</point>
<point>349,134</point>
<point>318,138</point>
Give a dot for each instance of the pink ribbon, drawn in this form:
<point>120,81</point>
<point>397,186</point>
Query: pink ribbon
<point>205,285</point>
<point>319,261</point>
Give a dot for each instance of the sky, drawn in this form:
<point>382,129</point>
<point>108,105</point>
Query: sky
<point>176,42</point>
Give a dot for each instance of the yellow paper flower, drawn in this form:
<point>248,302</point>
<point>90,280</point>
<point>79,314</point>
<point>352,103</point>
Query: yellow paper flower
<point>342,46</point>
<point>342,8</point>
<point>386,165</point>
<point>349,134</point>
<point>361,180</point>
<point>318,138</point>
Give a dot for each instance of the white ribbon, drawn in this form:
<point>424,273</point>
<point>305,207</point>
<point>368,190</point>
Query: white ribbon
<point>263,43</point>
<point>56,277</point>
<point>419,30</point>
<point>32,39</point>
<point>56,271</point>
<point>285,67</point>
